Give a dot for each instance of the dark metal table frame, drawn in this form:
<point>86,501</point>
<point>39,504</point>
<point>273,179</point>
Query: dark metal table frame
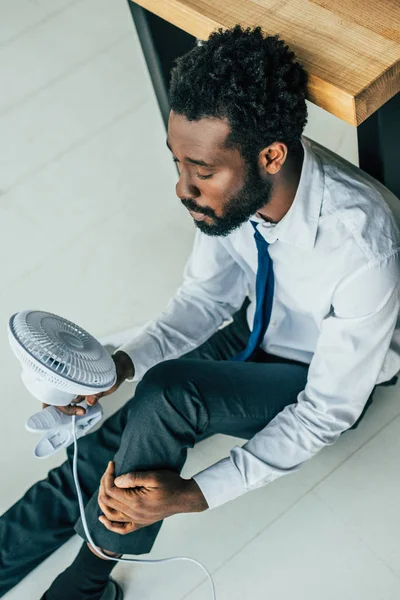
<point>378,136</point>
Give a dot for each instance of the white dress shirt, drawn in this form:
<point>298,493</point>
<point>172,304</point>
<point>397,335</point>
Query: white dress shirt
<point>336,305</point>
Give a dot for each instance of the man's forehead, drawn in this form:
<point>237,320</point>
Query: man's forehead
<point>207,134</point>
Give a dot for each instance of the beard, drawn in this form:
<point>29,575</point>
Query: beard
<point>255,193</point>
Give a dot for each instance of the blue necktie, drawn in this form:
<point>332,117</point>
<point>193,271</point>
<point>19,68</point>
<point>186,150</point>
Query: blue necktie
<point>264,297</point>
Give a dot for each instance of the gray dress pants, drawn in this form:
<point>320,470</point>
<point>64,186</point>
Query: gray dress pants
<point>177,403</point>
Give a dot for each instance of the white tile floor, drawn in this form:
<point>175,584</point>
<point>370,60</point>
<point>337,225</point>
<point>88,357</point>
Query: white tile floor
<point>90,228</point>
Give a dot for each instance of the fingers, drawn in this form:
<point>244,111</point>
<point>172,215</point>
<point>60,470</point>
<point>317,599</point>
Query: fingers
<point>69,410</point>
<point>111,507</point>
<point>107,479</point>
<point>139,479</point>
<point>107,486</point>
<point>109,474</point>
<point>121,528</point>
<point>79,410</point>
<point>90,400</point>
<point>111,513</point>
<point>72,410</point>
<point>108,482</point>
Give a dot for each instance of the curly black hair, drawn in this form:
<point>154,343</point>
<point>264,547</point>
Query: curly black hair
<point>248,78</point>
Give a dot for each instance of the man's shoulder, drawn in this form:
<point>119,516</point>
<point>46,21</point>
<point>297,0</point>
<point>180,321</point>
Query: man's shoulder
<point>357,207</point>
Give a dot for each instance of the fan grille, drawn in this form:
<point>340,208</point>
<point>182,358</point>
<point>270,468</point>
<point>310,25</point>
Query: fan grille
<point>62,352</point>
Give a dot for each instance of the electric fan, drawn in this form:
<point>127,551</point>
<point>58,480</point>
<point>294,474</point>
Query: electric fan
<point>61,361</point>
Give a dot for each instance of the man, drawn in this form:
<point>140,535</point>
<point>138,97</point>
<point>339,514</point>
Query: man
<point>299,250</point>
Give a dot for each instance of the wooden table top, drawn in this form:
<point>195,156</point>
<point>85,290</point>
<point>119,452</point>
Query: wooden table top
<point>350,48</point>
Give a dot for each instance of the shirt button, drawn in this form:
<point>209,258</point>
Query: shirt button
<point>273,323</point>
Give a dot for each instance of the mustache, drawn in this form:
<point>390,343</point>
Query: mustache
<point>191,205</point>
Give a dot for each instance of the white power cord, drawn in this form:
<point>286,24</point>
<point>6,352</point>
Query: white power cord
<point>98,550</point>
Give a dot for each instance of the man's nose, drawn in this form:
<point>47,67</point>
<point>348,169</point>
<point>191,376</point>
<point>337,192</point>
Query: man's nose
<point>185,189</point>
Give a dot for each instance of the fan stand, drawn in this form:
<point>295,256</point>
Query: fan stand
<point>57,428</point>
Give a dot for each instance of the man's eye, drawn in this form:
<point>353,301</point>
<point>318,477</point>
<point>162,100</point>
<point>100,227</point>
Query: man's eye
<point>197,174</point>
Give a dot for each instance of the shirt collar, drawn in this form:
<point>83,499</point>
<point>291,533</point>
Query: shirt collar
<point>299,226</point>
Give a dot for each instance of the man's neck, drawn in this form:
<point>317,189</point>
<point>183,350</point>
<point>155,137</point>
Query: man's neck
<point>284,190</point>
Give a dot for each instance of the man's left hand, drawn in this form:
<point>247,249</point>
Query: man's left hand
<point>140,498</point>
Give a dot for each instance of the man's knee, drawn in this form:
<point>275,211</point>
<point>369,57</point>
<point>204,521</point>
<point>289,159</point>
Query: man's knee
<point>166,379</point>
<point>174,382</point>
<point>165,372</point>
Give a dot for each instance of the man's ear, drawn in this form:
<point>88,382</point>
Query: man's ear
<point>272,157</point>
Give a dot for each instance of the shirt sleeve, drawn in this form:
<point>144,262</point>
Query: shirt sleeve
<point>354,340</point>
<point>213,289</point>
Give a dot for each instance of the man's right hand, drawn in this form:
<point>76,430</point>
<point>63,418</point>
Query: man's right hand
<point>124,369</point>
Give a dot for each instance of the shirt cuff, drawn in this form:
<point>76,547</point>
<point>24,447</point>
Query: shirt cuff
<point>220,483</point>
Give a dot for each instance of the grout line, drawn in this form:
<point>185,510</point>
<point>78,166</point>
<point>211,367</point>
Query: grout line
<point>82,142</point>
<point>311,490</point>
<point>63,75</point>
<point>348,525</point>
<point>355,451</point>
<point>76,144</point>
<point>44,19</point>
